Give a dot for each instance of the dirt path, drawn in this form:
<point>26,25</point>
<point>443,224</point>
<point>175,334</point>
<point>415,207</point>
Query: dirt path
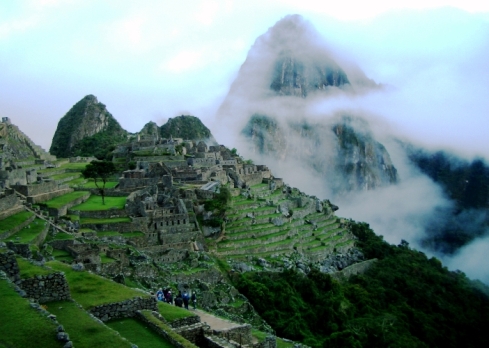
<point>214,322</point>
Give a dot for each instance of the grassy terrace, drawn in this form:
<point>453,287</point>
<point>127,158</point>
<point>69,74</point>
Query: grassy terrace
<point>172,313</point>
<point>84,331</point>
<point>284,242</point>
<point>76,182</point>
<point>61,201</point>
<point>16,313</point>
<point>91,290</point>
<point>62,255</point>
<point>137,333</point>
<point>94,203</point>
<point>86,221</point>
<point>14,220</point>
<point>29,232</point>
<point>91,184</point>
<point>28,270</point>
<point>115,233</point>
<point>64,176</point>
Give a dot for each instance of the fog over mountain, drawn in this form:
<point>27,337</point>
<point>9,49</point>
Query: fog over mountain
<point>300,106</point>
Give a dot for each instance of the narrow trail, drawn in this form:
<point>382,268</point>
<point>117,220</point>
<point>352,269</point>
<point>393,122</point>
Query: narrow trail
<point>214,322</point>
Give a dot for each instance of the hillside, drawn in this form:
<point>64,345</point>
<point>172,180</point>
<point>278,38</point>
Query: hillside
<point>87,129</point>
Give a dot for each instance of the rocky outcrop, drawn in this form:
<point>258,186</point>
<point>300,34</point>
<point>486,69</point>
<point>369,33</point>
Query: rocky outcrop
<point>187,127</point>
<point>76,134</point>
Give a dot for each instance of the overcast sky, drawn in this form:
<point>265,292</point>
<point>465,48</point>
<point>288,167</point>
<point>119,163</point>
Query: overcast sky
<point>151,60</point>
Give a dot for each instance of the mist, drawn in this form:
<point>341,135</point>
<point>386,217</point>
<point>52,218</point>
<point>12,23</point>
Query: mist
<point>433,101</point>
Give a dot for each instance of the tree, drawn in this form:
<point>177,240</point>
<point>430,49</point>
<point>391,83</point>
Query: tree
<point>99,170</point>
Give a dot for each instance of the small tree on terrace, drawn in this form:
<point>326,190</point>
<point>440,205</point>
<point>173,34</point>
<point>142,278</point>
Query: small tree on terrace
<point>100,172</point>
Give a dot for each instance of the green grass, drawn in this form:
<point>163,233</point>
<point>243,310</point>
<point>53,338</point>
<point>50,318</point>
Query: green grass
<point>104,221</point>
<point>28,270</point>
<point>91,184</point>
<point>137,333</point>
<point>60,201</point>
<point>91,290</point>
<point>184,343</point>
<point>105,259</point>
<point>115,233</point>
<point>172,313</point>
<point>29,232</point>
<point>64,176</point>
<point>62,255</point>
<point>76,182</point>
<point>14,220</point>
<point>22,325</point>
<point>84,331</point>
<point>77,166</point>
<point>95,203</point>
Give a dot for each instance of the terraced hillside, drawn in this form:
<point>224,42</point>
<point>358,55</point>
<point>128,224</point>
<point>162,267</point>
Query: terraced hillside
<point>268,223</point>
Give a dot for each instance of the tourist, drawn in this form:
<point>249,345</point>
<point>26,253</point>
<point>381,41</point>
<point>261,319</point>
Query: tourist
<point>169,297</point>
<point>179,300</point>
<point>185,299</point>
<point>159,295</point>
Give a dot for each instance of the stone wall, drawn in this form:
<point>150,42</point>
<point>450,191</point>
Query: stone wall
<point>100,214</point>
<point>20,249</point>
<point>268,342</point>
<point>8,202</point>
<point>62,244</point>
<point>48,195</point>
<point>123,309</point>
<point>46,288</point>
<point>8,264</point>
<point>194,319</point>
<point>239,334</point>
<point>252,179</point>
<point>36,189</point>
<point>41,236</point>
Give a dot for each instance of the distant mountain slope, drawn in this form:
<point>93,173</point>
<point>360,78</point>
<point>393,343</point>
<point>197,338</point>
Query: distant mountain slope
<point>87,129</point>
<point>186,127</point>
<point>347,157</point>
<point>15,145</point>
<point>466,184</point>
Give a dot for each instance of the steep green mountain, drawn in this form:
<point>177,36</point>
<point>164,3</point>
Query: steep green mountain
<point>186,127</point>
<point>404,299</point>
<point>466,185</point>
<point>87,129</point>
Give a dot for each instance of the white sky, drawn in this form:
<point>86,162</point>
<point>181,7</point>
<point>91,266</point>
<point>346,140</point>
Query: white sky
<point>151,60</point>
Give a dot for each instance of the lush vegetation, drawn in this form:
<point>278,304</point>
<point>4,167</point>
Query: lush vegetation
<point>466,184</point>
<point>218,207</point>
<point>403,300</point>
<point>186,127</point>
<point>99,144</point>
<point>100,172</point>
<point>17,313</point>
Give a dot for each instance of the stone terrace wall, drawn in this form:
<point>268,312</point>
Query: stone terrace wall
<point>37,189</point>
<point>240,334</point>
<point>100,214</point>
<point>41,236</point>
<point>123,309</point>
<point>8,264</point>
<point>48,195</point>
<point>46,288</point>
<point>20,249</point>
<point>252,179</point>
<point>195,319</point>
<point>8,202</point>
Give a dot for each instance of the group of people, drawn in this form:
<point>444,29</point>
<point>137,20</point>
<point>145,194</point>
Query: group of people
<point>180,300</point>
